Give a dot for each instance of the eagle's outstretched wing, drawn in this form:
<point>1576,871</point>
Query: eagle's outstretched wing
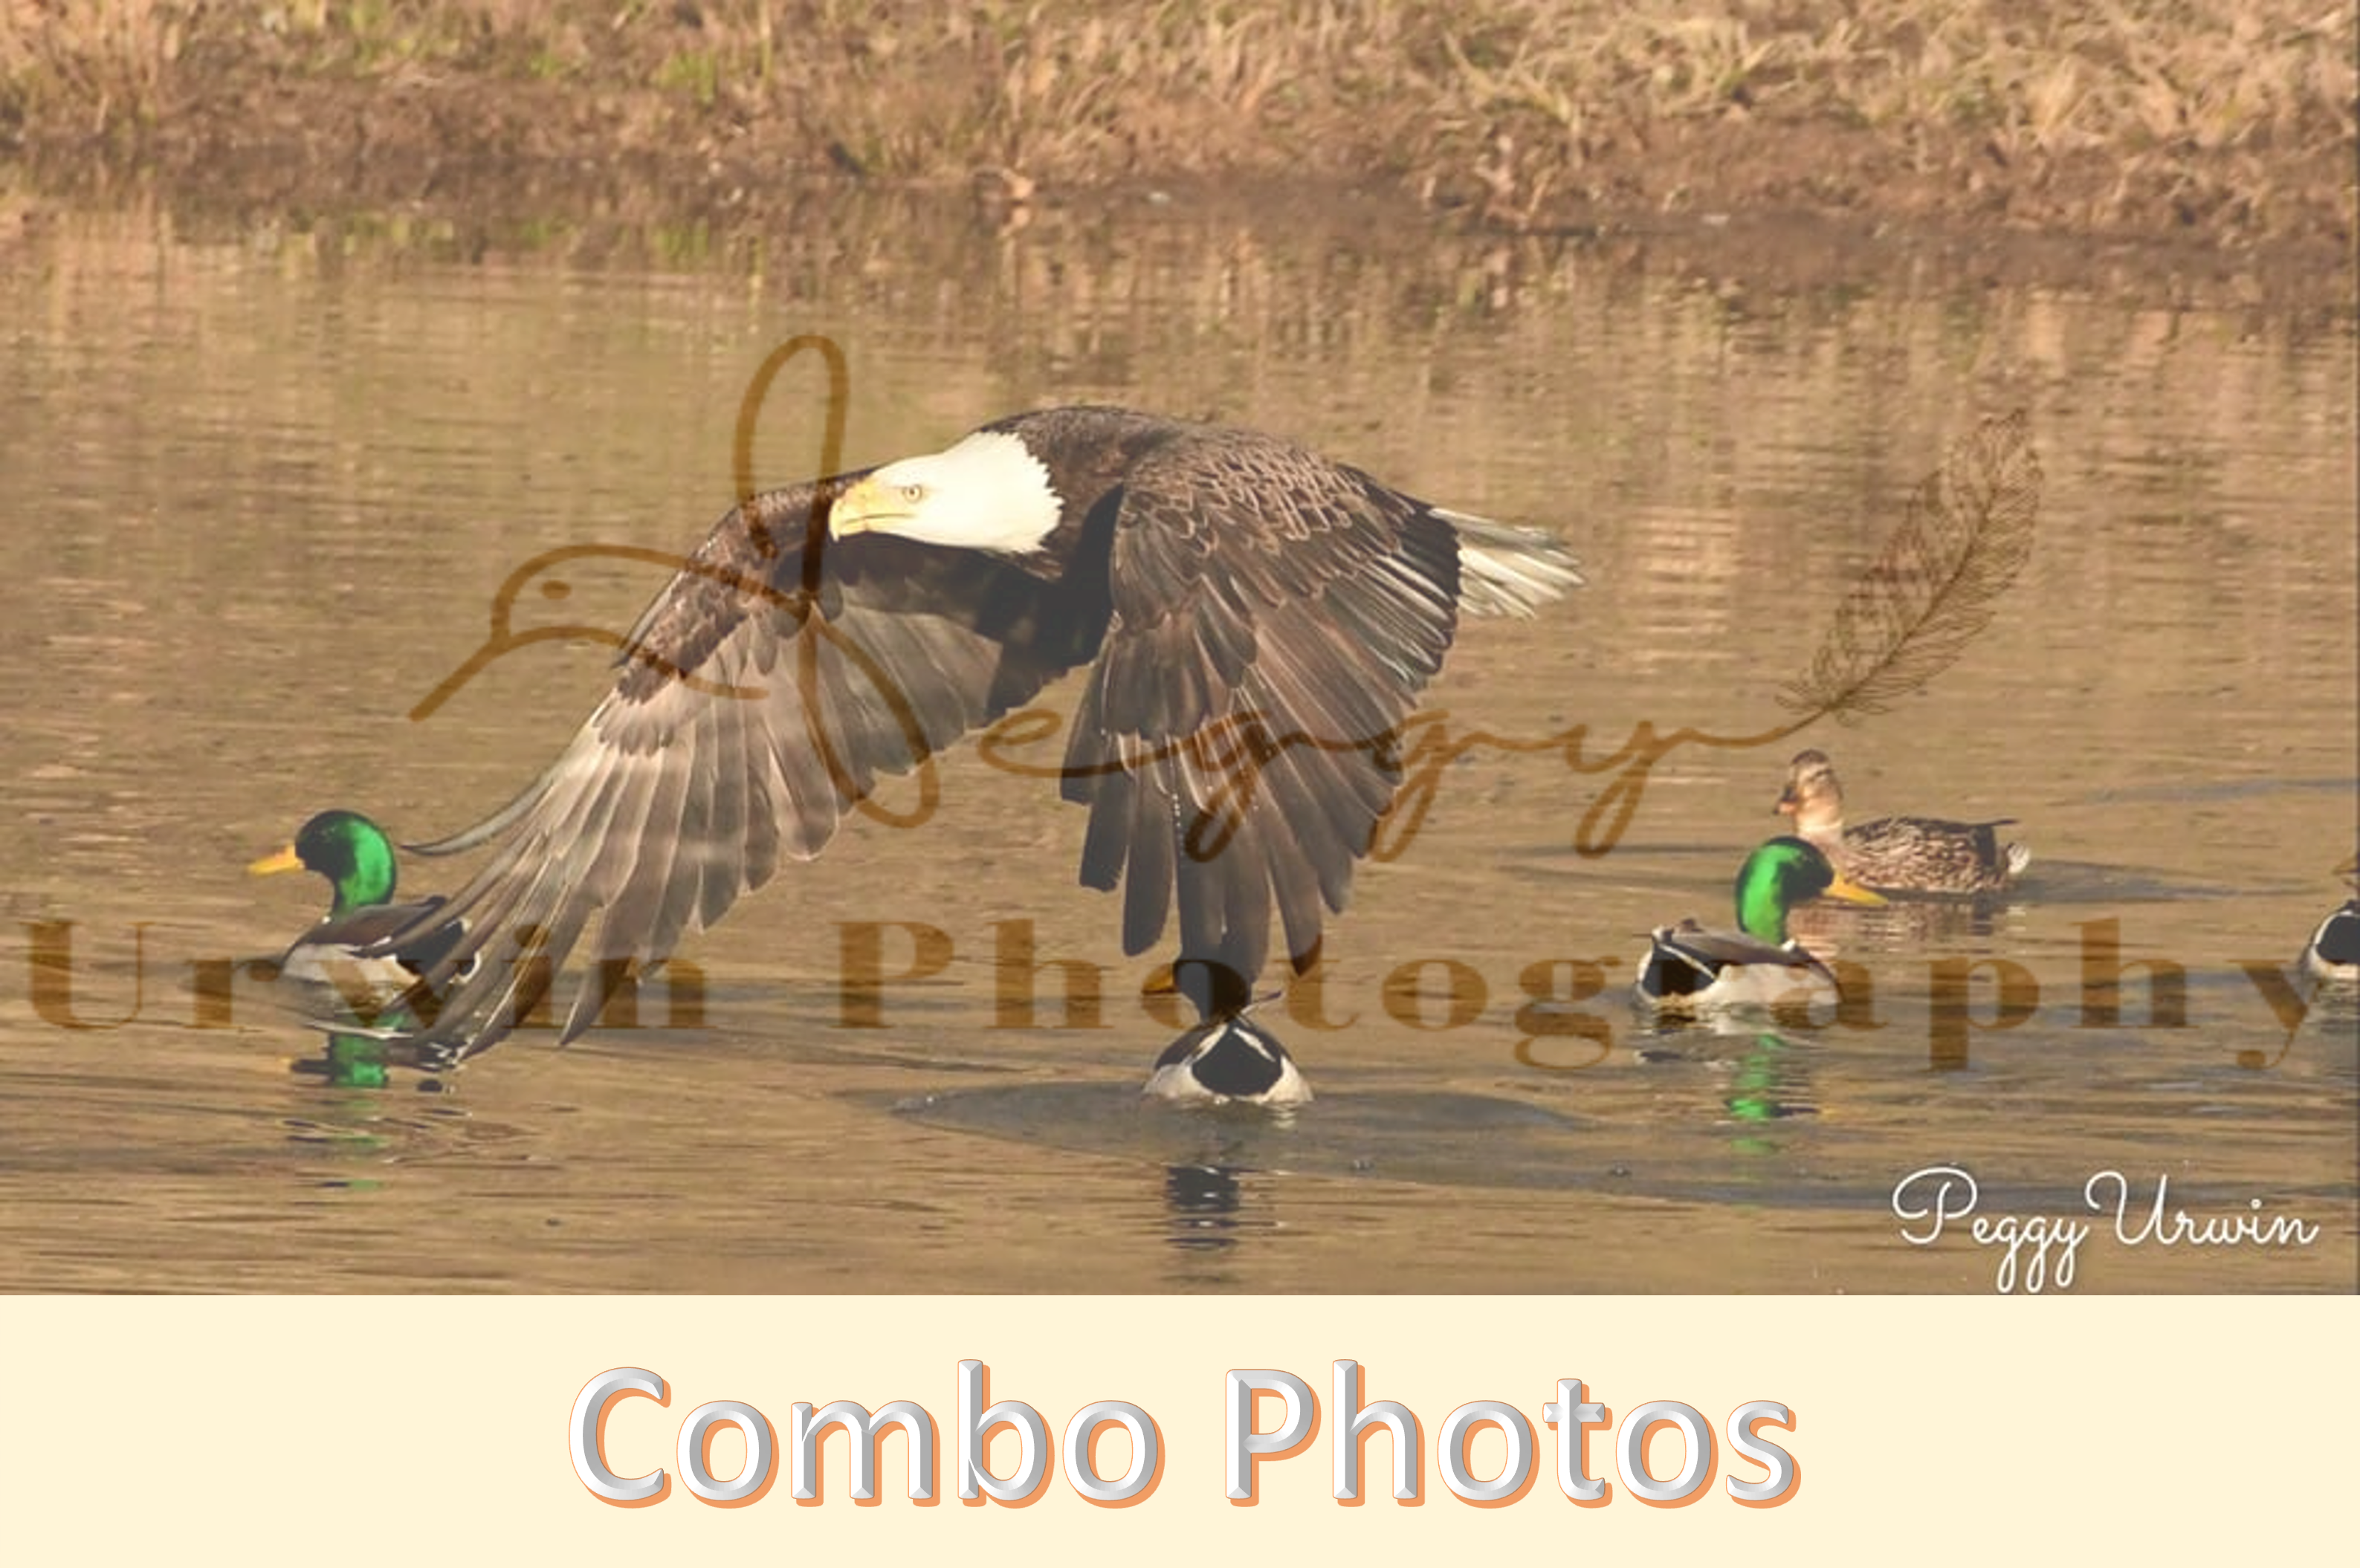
<point>679,796</point>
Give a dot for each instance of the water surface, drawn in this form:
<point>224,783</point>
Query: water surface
<point>261,480</point>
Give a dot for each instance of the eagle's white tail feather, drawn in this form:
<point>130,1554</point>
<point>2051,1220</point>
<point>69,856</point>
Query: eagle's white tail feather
<point>1506,570</point>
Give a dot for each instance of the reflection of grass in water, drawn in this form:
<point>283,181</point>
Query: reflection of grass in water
<point>1358,348</point>
<point>2186,107</point>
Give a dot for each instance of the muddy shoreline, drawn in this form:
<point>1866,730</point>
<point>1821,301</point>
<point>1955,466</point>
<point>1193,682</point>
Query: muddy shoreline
<point>2028,147</point>
<point>634,212</point>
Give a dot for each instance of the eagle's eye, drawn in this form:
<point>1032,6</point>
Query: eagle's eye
<point>914,493</point>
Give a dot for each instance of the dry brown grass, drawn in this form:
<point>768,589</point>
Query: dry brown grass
<point>92,62</point>
<point>2233,113</point>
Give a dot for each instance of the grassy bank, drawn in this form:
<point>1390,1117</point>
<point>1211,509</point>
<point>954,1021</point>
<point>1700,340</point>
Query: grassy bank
<point>2232,119</point>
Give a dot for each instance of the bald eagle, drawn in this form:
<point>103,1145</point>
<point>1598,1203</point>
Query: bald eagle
<point>1254,621</point>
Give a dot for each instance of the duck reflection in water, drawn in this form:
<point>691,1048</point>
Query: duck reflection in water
<point>1206,1202</point>
<point>1768,1077</point>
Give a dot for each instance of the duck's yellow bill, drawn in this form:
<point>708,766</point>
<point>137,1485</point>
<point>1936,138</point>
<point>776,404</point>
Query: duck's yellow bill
<point>285,860</point>
<point>1853,893</point>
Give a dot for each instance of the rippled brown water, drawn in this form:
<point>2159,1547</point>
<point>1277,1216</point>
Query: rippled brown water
<point>258,484</point>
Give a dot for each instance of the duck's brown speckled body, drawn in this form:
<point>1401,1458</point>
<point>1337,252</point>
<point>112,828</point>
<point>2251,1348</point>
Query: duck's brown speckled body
<point>1898,855</point>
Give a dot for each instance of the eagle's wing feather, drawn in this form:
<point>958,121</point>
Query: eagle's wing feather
<point>1274,618</point>
<point>675,799</point>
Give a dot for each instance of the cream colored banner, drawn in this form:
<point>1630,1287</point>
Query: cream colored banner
<point>436,1431</point>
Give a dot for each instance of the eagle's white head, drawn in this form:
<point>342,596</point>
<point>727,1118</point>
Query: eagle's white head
<point>987,493</point>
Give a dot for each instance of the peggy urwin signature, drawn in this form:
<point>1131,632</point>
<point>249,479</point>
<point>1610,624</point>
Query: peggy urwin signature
<point>1930,1200</point>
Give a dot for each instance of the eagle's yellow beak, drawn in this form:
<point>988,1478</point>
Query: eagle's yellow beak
<point>1853,893</point>
<point>870,505</point>
<point>285,860</point>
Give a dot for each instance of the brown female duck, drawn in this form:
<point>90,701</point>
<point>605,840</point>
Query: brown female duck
<point>1898,855</point>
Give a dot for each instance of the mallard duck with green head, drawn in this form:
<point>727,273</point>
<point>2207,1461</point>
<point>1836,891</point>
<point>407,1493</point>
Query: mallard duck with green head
<point>1688,969</point>
<point>1897,855</point>
<point>2332,956</point>
<point>349,983</point>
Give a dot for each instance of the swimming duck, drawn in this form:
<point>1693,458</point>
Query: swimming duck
<point>1897,855</point>
<point>2333,954</point>
<point>360,993</point>
<point>1228,1061</point>
<point>357,857</point>
<point>1688,969</point>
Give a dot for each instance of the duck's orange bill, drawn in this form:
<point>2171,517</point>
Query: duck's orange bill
<point>285,860</point>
